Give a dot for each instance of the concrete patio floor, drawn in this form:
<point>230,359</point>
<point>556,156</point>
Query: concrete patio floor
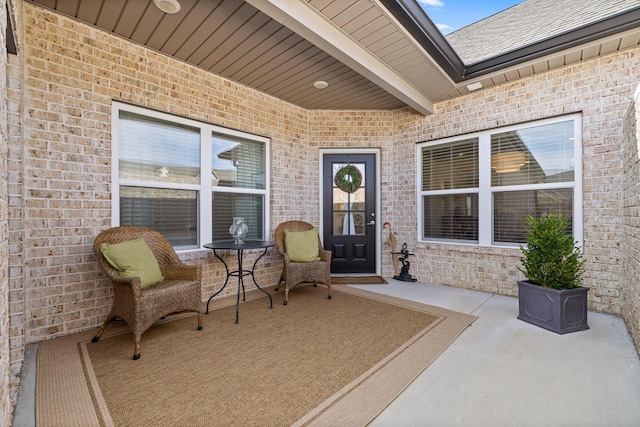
<point>499,372</point>
<point>504,372</point>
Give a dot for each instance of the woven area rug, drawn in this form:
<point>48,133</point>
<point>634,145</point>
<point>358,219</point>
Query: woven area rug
<point>313,362</point>
<point>358,280</point>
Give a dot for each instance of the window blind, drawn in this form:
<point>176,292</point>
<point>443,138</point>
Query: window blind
<point>226,206</point>
<point>174,213</point>
<point>536,155</point>
<point>450,166</point>
<point>510,209</point>
<point>156,150</point>
<point>238,163</point>
<point>528,169</point>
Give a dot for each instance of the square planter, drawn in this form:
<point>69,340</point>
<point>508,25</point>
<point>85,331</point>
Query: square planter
<point>559,311</point>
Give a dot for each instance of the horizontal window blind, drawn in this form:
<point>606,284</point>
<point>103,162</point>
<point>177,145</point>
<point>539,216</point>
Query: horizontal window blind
<point>174,213</point>
<point>481,188</point>
<point>226,206</point>
<point>511,208</point>
<point>238,163</point>
<point>451,216</point>
<point>536,155</point>
<point>187,179</point>
<point>450,166</point>
<point>153,149</point>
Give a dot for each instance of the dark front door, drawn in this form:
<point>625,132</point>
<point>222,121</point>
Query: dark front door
<point>349,212</point>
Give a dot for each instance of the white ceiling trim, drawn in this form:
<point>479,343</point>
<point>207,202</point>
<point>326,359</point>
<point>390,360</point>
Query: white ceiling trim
<point>412,39</point>
<point>561,58</point>
<point>301,18</point>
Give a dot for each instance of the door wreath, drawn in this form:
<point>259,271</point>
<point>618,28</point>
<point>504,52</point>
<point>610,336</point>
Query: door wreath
<point>348,178</point>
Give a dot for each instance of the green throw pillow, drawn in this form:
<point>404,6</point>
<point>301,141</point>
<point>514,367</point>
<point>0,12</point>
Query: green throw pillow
<point>134,259</point>
<point>302,246</point>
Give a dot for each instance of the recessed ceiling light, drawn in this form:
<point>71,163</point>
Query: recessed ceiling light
<point>320,84</point>
<point>167,6</point>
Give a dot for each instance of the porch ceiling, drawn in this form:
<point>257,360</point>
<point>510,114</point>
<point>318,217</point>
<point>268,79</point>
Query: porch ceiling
<point>375,54</point>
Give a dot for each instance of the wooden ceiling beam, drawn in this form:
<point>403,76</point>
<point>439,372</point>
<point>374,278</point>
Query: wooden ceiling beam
<point>304,20</point>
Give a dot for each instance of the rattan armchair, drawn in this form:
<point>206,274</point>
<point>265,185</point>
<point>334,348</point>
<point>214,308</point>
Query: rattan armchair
<point>140,308</point>
<point>295,273</point>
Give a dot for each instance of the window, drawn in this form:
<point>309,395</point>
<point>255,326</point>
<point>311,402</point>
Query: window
<point>479,188</point>
<point>238,184</point>
<point>450,178</point>
<point>187,179</point>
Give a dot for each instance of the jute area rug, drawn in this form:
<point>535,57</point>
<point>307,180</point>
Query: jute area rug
<point>358,280</point>
<point>313,362</point>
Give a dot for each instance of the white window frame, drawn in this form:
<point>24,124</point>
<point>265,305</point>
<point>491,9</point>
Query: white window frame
<point>486,191</point>
<point>205,188</point>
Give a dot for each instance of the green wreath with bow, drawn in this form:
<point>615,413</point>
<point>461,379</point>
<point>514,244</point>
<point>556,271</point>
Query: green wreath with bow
<point>348,178</point>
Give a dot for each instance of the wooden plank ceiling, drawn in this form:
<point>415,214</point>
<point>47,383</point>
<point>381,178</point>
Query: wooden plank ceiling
<point>281,47</point>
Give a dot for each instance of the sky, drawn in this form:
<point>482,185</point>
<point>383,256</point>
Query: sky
<point>451,15</point>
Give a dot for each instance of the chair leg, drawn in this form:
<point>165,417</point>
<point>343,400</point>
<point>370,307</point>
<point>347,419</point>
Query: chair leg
<point>286,296</point>
<point>199,321</point>
<point>97,336</point>
<point>280,280</point>
<point>136,349</point>
<point>106,323</point>
<point>328,291</point>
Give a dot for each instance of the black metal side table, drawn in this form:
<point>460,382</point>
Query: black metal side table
<point>240,272</point>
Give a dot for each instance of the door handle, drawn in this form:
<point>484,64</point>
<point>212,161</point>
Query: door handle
<point>372,222</point>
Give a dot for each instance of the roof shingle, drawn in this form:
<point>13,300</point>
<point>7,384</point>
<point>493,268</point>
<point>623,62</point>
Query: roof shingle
<point>530,22</point>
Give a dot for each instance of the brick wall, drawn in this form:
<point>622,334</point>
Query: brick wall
<point>60,166</point>
<point>631,240</point>
<point>5,361</point>
<point>16,231</point>
<point>600,89</point>
<point>72,74</point>
<point>67,165</point>
<point>358,129</point>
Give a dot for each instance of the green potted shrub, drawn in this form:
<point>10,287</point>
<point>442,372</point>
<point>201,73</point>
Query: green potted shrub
<point>552,296</point>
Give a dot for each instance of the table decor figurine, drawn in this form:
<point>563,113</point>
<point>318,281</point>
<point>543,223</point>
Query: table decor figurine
<point>404,259</point>
<point>238,230</point>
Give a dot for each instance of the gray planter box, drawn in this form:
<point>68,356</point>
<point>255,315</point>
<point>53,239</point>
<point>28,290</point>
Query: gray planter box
<point>559,311</point>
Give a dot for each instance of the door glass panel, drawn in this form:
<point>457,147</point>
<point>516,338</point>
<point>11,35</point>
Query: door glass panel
<point>338,222</point>
<point>348,198</point>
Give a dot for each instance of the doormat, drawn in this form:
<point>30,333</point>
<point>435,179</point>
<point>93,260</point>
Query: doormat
<point>358,280</point>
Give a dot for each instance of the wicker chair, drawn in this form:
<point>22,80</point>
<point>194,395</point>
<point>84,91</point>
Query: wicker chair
<point>295,273</point>
<point>140,308</point>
